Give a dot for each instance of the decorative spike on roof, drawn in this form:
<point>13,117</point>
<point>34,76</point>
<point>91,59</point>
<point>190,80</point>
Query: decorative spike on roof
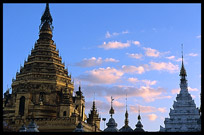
<point>111,112</point>
<point>182,71</point>
<point>46,17</point>
<point>46,20</point>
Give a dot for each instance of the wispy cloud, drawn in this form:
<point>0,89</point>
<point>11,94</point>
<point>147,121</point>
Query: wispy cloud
<point>171,57</point>
<point>134,55</point>
<point>199,36</point>
<point>94,62</point>
<point>146,82</point>
<point>114,45</point>
<point>193,54</point>
<point>146,109</point>
<point>162,109</point>
<point>175,91</point>
<point>110,35</point>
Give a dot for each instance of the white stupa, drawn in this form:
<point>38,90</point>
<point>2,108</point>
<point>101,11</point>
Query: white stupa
<point>184,117</point>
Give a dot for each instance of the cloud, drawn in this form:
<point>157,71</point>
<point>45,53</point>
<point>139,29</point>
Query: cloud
<point>146,82</point>
<point>137,43</point>
<point>114,45</point>
<point>94,62</point>
<point>162,109</point>
<point>170,57</point>
<point>152,117</point>
<point>102,76</point>
<point>111,60</point>
<point>178,60</point>
<point>133,80</point>
<point>193,54</point>
<point>133,69</point>
<point>151,52</point>
<point>192,89</point>
<point>164,66</point>
<point>199,36</point>
<point>174,58</point>
<point>110,35</point>
<point>175,91</point>
<point>146,109</point>
<point>150,94</point>
<point>147,93</point>
<point>135,55</point>
<point>143,109</point>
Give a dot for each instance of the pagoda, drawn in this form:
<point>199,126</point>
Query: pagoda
<point>184,117</point>
<point>43,89</point>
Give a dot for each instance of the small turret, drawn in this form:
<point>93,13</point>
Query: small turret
<point>94,118</point>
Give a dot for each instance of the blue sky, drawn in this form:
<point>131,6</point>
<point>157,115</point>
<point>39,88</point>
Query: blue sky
<point>114,49</point>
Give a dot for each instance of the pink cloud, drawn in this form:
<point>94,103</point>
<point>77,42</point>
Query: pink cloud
<point>152,117</point>
<point>162,110</point>
<point>164,66</point>
<point>133,80</point>
<point>143,109</point>
<point>137,43</point>
<point>114,45</point>
<point>102,76</point>
<point>146,82</point>
<point>133,69</point>
<point>151,52</point>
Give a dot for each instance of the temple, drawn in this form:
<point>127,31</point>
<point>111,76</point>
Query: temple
<point>43,90</point>
<point>184,117</point>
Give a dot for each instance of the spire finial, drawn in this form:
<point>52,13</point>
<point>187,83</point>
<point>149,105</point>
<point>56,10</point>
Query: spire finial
<point>126,101</point>
<point>139,117</point>
<point>46,17</point>
<point>111,112</point>
<point>182,51</point>
<point>94,96</point>
<point>126,113</point>
<point>79,85</point>
<point>182,71</point>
